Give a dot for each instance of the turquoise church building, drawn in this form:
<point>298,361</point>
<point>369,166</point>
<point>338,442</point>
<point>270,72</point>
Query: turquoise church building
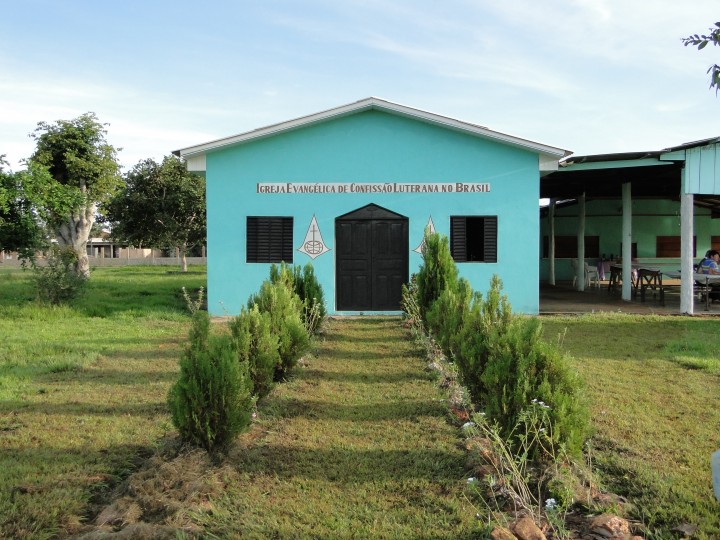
<point>352,189</point>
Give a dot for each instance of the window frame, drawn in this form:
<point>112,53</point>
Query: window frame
<point>269,239</point>
<point>459,238</point>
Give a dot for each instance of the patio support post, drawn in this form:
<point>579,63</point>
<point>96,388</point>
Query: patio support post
<point>686,252</point>
<point>551,242</point>
<point>627,241</point>
<point>581,244</point>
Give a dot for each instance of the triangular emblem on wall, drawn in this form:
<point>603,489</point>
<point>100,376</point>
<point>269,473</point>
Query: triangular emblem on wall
<point>431,227</point>
<point>313,245</point>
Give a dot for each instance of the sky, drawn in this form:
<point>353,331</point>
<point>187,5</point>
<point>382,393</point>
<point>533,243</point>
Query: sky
<point>589,76</point>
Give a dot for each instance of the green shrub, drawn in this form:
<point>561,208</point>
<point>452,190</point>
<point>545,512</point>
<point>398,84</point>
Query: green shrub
<point>505,365</point>
<point>285,310</point>
<point>211,401</point>
<point>483,322</point>
<point>437,272</point>
<point>283,273</point>
<point>58,281</point>
<point>311,294</point>
<point>448,314</point>
<point>303,282</point>
<point>257,346</point>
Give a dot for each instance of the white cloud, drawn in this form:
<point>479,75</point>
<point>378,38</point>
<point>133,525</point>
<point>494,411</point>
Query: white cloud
<point>589,75</point>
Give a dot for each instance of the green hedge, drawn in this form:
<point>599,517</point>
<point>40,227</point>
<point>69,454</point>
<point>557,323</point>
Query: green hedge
<point>500,357</point>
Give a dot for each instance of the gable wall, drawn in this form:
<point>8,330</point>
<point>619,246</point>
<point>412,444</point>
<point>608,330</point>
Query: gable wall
<point>376,147</point>
<point>702,170</point>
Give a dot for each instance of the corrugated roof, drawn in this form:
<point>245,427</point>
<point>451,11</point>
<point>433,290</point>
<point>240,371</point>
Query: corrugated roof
<point>633,156</point>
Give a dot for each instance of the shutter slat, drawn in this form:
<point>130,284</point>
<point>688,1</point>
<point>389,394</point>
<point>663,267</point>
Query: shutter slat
<point>269,239</point>
<point>458,239</point>
<point>490,244</point>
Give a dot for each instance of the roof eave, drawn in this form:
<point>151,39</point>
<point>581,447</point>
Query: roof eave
<point>374,103</point>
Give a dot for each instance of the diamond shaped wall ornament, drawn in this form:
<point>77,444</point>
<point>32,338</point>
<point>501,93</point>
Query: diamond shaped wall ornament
<point>431,227</point>
<point>313,246</point>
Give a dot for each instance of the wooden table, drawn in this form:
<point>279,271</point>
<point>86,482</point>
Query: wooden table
<point>701,282</point>
<point>649,278</point>
<point>616,277</point>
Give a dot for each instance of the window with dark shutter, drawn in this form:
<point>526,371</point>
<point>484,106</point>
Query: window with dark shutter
<point>669,246</point>
<point>566,247</point>
<point>269,239</point>
<point>473,238</point>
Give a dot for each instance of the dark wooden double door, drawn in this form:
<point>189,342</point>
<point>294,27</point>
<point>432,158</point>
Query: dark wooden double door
<point>371,259</point>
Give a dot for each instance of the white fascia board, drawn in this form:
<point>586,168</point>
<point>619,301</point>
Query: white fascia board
<point>379,104</point>
<point>196,163</point>
<point>548,163</point>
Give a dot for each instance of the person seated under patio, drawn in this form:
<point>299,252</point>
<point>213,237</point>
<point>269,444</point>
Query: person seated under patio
<point>711,265</point>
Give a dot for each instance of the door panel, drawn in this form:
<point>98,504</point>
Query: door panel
<point>389,263</point>
<point>353,265</point>
<point>371,263</point>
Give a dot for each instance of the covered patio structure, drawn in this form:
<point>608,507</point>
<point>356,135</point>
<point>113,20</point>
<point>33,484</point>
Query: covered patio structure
<point>630,211</point>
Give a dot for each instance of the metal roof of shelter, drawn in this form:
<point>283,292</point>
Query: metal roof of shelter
<point>653,174</point>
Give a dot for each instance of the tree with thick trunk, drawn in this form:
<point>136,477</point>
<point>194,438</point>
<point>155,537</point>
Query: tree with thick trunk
<point>85,174</point>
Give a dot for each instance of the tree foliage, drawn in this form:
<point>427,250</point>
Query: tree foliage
<point>702,41</point>
<point>19,227</point>
<point>161,205</point>
<point>85,173</point>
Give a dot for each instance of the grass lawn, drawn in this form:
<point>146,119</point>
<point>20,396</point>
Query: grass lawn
<point>356,444</point>
<point>654,384</point>
<point>82,391</point>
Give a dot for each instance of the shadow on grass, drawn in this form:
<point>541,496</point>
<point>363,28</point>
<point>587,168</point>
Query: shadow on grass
<point>119,377</point>
<point>374,355</point>
<point>348,465</point>
<point>408,409</point>
<point>30,498</point>
<point>79,408</point>
<point>364,377</point>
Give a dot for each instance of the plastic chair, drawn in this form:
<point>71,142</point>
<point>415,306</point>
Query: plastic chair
<point>591,274</point>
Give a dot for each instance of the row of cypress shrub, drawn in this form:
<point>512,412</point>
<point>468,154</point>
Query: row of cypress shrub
<point>223,375</point>
<point>502,359</point>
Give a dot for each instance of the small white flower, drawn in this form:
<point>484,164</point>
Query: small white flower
<point>542,430</point>
<point>471,480</point>
<point>550,503</point>
<point>468,425</point>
